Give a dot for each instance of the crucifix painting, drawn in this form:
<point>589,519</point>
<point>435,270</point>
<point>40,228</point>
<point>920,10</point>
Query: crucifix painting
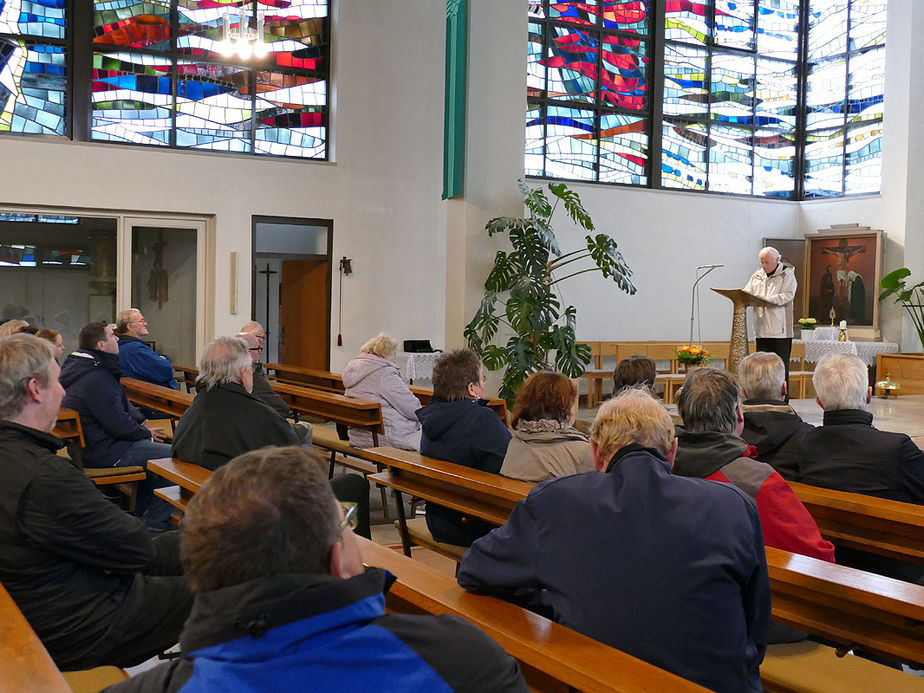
<point>844,271</point>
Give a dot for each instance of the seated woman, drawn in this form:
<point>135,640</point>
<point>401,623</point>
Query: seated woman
<point>545,443</point>
<point>55,338</point>
<point>635,371</point>
<point>374,375</point>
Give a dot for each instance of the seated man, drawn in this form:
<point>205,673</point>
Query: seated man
<point>669,569</point>
<point>136,358</point>
<point>846,453</point>
<point>283,601</point>
<point>458,427</point>
<point>113,427</point>
<point>226,420</point>
<point>711,447</point>
<point>261,387</point>
<point>79,568</point>
<point>770,425</point>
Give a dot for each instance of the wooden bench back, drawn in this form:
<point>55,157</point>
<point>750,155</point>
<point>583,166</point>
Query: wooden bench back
<point>172,402</point>
<point>552,657</point>
<point>25,665</point>
<point>188,375</point>
<point>359,413</point>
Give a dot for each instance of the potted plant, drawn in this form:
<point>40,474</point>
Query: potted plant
<point>521,291</point>
<point>807,325</point>
<point>911,297</point>
<point>692,355</point>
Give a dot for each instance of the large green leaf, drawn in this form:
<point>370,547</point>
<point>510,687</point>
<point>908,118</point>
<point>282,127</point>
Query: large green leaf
<point>894,285</point>
<point>603,250</point>
<point>535,201</point>
<point>573,205</point>
<point>494,357</point>
<point>483,325</point>
<point>505,224</point>
<point>529,249</point>
<point>502,274</point>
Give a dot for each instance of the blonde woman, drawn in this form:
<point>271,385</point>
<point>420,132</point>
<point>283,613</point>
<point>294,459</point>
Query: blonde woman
<point>374,375</point>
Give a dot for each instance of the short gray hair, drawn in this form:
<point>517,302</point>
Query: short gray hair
<point>123,319</point>
<point>770,249</point>
<point>709,400</point>
<point>380,345</point>
<point>632,416</point>
<point>762,374</point>
<point>841,382</point>
<point>222,361</point>
<point>22,357</point>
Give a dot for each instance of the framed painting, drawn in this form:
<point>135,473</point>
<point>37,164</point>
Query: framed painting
<point>792,251</point>
<point>844,265</point>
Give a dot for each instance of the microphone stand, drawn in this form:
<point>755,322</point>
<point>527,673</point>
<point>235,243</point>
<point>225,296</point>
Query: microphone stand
<point>693,297</point>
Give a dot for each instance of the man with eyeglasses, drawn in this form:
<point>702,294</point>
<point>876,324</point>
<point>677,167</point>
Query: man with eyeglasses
<point>136,359</point>
<point>283,601</point>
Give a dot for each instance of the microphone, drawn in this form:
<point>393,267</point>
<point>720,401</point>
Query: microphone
<point>710,266</point>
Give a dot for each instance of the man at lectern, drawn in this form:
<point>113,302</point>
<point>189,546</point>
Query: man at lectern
<point>776,283</point>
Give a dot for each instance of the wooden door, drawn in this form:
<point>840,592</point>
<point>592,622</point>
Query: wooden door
<point>304,314</point>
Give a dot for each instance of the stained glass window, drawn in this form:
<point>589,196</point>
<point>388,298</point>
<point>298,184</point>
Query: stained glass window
<point>33,67</point>
<point>588,90</point>
<point>735,94</point>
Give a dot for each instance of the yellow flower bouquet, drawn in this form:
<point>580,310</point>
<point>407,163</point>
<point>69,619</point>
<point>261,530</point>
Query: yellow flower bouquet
<point>692,355</point>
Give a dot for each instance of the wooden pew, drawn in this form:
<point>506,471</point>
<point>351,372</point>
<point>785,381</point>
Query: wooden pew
<point>25,665</point>
<point>171,402</point>
<point>358,413</point>
<point>188,478</point>
<point>552,657</point>
<point>188,375</point>
<point>125,479</point>
<point>885,527</point>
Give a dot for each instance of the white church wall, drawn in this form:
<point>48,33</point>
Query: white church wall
<point>382,187</point>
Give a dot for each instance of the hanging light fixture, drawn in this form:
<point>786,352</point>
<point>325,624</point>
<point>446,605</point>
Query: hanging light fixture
<point>242,39</point>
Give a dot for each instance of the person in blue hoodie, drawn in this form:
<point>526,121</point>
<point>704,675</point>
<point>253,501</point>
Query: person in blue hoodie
<point>113,428</point>
<point>457,426</point>
<point>283,602</point>
<point>136,358</point>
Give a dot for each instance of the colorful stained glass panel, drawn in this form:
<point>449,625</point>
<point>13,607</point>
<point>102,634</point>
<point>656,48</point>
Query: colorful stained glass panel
<point>132,24</point>
<point>776,94</point>
<point>730,159</point>
<point>778,29</point>
<point>623,149</point>
<point>734,24</point>
<point>686,20</point>
<point>624,82</point>
<point>626,15</point>
<point>535,62</point>
<point>683,155</point>
<point>572,63</point>
<point>584,12</point>
<point>33,85</point>
<point>290,117</point>
<point>732,88</point>
<point>864,158</point>
<point>535,141</point>
<point>867,23</point>
<point>132,99</point>
<point>774,163</point>
<point>685,81</point>
<point>867,86</point>
<point>571,148</point>
<point>213,107</point>
<point>827,28</point>
<point>824,163</point>
<point>37,18</point>
<point>826,89</point>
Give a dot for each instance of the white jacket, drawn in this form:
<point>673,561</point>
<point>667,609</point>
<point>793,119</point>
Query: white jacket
<point>371,377</point>
<point>780,289</point>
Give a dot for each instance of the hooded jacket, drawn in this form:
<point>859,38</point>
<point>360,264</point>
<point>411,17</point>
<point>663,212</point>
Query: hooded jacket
<point>110,422</point>
<point>786,524</point>
<point>68,556</point>
<point>668,569</point>
<point>546,449</point>
<point>141,362</point>
<point>776,431</point>
<point>780,290</point>
<point>307,632</point>
<point>371,377</point>
<point>465,432</point>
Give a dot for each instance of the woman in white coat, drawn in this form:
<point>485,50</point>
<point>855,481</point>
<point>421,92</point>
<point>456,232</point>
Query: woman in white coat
<point>374,375</point>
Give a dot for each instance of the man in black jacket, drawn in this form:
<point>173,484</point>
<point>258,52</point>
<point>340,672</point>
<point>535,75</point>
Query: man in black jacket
<point>226,420</point>
<point>770,425</point>
<point>80,569</point>
<point>458,427</point>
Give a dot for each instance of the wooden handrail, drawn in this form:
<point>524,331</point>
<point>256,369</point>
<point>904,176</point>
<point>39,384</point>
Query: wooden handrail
<point>25,665</point>
<point>157,397</point>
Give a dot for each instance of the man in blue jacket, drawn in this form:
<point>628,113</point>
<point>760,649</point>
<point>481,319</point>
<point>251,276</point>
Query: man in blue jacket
<point>283,601</point>
<point>458,427</point>
<point>136,359</point>
<point>670,569</point>
<point>113,428</point>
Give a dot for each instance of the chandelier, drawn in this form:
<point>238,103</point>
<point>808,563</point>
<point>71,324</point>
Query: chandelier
<point>242,39</point>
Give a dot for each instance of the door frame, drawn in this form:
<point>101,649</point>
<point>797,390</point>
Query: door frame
<point>205,294</point>
<point>329,257</point>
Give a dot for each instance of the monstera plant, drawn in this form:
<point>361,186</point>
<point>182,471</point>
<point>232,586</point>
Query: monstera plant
<point>911,297</point>
<point>521,292</point>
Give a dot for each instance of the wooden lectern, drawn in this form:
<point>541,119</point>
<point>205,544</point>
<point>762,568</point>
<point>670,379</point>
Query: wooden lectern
<point>738,346</point>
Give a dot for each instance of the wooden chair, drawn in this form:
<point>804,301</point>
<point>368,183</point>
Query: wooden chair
<point>125,479</point>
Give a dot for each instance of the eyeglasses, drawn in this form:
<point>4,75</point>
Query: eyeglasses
<point>350,517</point>
<point>142,321</point>
<point>256,349</point>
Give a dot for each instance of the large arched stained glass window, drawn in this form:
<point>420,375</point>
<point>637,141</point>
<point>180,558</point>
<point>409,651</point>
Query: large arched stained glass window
<point>33,67</point>
<point>160,76</point>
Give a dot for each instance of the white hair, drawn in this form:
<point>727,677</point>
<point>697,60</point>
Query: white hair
<point>761,376</point>
<point>222,361</point>
<point>770,249</point>
<point>841,382</point>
